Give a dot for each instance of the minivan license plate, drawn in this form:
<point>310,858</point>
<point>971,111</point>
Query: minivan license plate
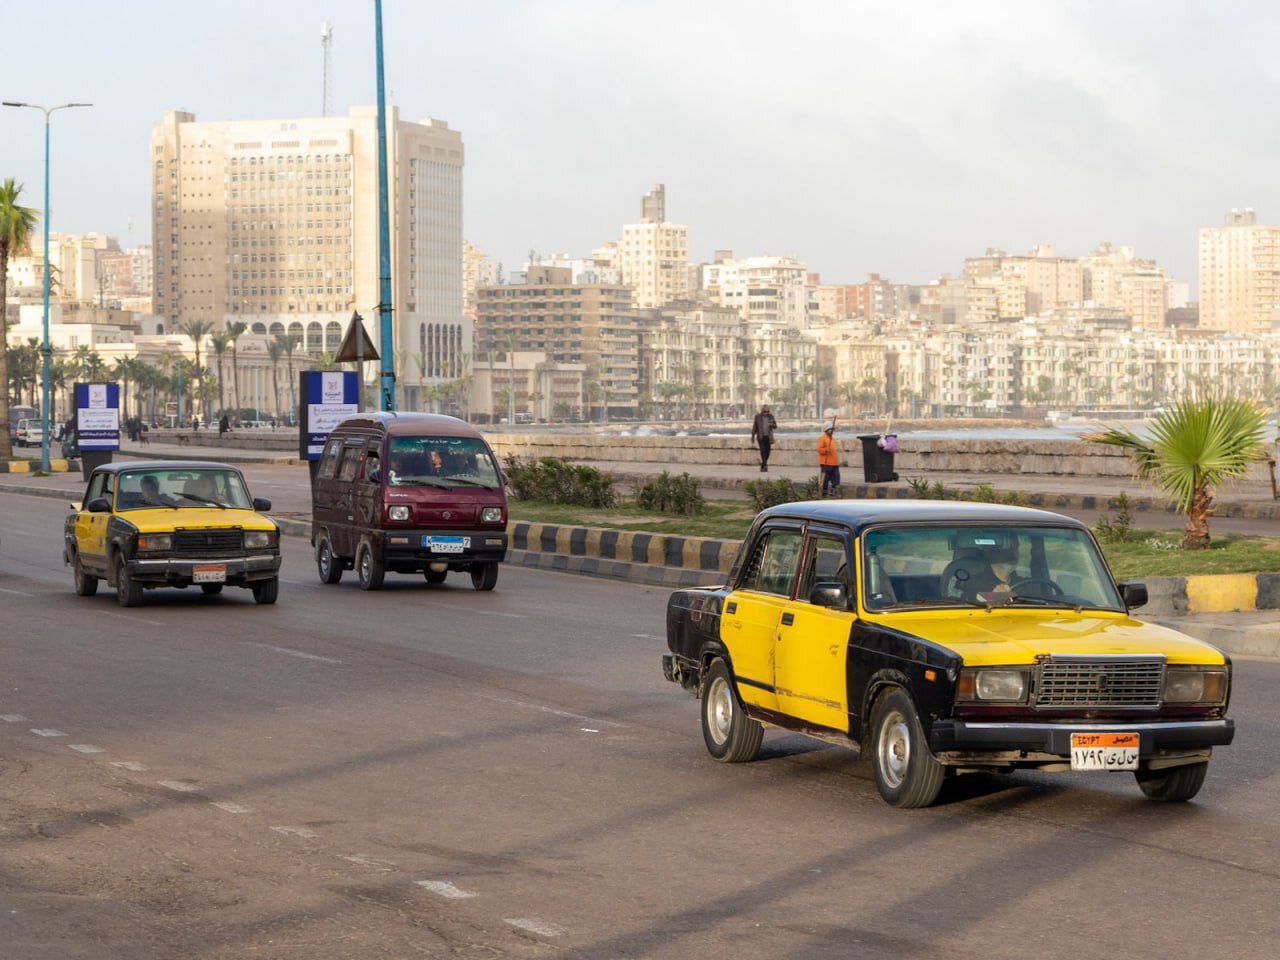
<point>446,544</point>
<point>1104,751</point>
<point>209,573</point>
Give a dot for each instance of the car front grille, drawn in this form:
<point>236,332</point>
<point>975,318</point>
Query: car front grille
<point>1065,682</point>
<point>208,543</point>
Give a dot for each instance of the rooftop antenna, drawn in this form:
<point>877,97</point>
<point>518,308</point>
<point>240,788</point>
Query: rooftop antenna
<point>326,44</point>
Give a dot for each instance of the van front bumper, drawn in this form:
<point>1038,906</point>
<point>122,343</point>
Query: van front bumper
<point>1154,737</point>
<point>239,569</point>
<point>408,547</point>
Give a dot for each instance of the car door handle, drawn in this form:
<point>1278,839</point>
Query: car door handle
<point>788,619</point>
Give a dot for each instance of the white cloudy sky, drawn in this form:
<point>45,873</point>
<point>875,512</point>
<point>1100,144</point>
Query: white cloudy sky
<point>896,138</point>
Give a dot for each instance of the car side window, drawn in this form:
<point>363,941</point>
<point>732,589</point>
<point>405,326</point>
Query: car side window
<point>329,459</point>
<point>826,563</point>
<point>372,461</point>
<point>109,487</point>
<point>95,488</point>
<point>350,466</point>
<point>772,567</point>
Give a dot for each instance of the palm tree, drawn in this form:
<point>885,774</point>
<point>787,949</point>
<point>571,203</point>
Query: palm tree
<point>219,343</point>
<point>16,226</point>
<point>197,330</point>
<point>290,344</point>
<point>234,332</point>
<point>275,350</point>
<point>1193,448</point>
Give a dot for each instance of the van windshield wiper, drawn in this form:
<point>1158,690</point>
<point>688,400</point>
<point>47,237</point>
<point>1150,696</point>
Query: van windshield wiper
<point>473,481</point>
<point>420,482</point>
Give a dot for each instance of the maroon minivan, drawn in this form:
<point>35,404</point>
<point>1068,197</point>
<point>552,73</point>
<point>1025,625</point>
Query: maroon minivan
<point>408,493</point>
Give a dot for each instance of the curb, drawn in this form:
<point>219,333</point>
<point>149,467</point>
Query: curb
<point>1254,641</point>
<point>56,465</point>
<point>205,457</point>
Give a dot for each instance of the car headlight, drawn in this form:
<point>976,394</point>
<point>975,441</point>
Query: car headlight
<point>1004,686</point>
<point>155,541</point>
<point>257,539</point>
<point>491,515</point>
<point>1194,686</point>
<point>398,513</point>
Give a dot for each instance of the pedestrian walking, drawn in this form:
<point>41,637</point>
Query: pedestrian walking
<point>829,461</point>
<point>224,426</point>
<point>762,428</point>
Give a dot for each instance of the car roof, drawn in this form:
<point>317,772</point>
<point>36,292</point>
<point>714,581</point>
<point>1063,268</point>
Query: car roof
<point>409,424</point>
<point>165,465</point>
<point>860,514</point>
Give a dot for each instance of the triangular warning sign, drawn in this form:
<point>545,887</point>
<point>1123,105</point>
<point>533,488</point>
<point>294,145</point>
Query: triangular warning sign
<point>356,344</point>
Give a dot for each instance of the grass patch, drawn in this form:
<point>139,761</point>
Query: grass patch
<point>1156,553</point>
<point>721,519</point>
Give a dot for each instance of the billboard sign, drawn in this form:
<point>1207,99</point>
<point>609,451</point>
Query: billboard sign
<point>325,399</point>
<point>98,416</point>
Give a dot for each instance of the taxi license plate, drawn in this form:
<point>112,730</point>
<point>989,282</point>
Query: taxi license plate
<point>1104,751</point>
<point>209,573</point>
<point>446,544</point>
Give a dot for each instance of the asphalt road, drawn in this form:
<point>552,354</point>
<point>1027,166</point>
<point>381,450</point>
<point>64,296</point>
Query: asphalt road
<point>432,772</point>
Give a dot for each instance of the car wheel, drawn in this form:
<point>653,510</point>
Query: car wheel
<point>435,576</point>
<point>266,591</point>
<point>1174,784</point>
<point>731,736</point>
<point>327,564</point>
<point>86,584</point>
<point>907,774</point>
<point>484,576</point>
<point>128,590</point>
<point>211,589</point>
<point>368,570</point>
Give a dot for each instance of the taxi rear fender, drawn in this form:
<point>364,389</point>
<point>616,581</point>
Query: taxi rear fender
<point>713,650</point>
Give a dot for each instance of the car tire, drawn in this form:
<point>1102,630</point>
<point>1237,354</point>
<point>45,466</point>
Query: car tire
<point>906,771</point>
<point>484,576</point>
<point>369,571</point>
<point>435,576</point>
<point>86,584</point>
<point>730,735</point>
<point>327,565</point>
<point>1172,785</point>
<point>265,591</point>
<point>128,590</point>
<point>211,589</point>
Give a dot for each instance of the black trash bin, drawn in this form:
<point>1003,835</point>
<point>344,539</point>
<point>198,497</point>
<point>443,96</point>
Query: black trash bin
<point>877,463</point>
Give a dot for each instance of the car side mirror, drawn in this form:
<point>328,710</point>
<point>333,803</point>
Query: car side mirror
<point>1134,595</point>
<point>829,594</point>
<point>98,505</point>
<point>261,504</point>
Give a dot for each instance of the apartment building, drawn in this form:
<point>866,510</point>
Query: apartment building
<point>590,324</point>
<point>693,357</point>
<point>76,259</point>
<point>764,290</point>
<point>1240,274</point>
<point>478,270</point>
<point>529,383</point>
<point>275,223</point>
<point>653,255</point>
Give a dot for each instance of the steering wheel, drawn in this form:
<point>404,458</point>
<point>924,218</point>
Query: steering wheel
<point>1053,588</point>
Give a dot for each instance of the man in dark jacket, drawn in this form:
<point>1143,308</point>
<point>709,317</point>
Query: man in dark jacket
<point>762,428</point>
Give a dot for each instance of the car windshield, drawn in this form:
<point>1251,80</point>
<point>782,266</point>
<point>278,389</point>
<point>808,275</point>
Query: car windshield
<point>441,462</point>
<point>181,489</point>
<point>961,565</point>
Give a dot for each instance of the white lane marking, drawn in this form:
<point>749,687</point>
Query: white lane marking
<point>229,807</point>
<point>550,710</point>
<point>299,583</point>
<point>647,636</point>
<point>302,832</point>
<point>487,613</point>
<point>290,652</point>
<point>17,593</point>
<point>85,748</point>
<point>125,616</point>
<point>384,865</point>
<point>533,925</point>
<point>14,718</point>
<point>182,786</point>
<point>445,889</point>
<point>588,730</point>
<point>47,732</point>
<point>133,765</point>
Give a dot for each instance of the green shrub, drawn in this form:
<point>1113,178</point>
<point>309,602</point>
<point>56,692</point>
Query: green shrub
<point>668,493</point>
<point>983,493</point>
<point>939,492</point>
<point>769,493</point>
<point>551,480</point>
<point>919,488</point>
<point>1013,498</point>
<point>1119,529</point>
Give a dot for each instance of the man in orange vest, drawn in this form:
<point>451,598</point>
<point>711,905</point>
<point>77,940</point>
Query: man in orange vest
<point>829,461</point>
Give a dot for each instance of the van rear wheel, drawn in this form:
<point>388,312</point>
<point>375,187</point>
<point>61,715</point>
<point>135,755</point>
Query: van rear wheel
<point>86,584</point>
<point>435,576</point>
<point>369,570</point>
<point>484,576</point>
<point>327,564</point>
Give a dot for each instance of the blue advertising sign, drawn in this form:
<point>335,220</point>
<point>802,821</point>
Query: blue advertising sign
<point>98,416</point>
<point>325,399</point>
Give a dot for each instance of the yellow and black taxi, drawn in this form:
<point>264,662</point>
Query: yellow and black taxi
<point>944,638</point>
<point>171,523</point>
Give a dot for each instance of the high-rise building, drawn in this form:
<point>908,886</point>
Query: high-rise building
<point>275,223</point>
<point>127,277</point>
<point>1240,274</point>
<point>653,256</point>
<point>591,324</point>
<point>478,271</point>
<point>75,258</point>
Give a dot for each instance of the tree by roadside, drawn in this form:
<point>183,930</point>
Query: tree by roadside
<point>17,223</point>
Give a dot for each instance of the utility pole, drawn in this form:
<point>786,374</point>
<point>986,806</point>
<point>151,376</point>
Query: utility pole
<point>326,44</point>
<point>386,334</point>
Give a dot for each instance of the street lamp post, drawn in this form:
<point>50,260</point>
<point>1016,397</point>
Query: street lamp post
<point>45,349</point>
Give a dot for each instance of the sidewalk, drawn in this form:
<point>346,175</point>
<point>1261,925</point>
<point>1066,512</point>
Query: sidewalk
<point>1255,633</point>
<point>224,453</point>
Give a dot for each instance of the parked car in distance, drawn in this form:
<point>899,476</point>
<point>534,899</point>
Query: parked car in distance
<point>29,433</point>
<point>408,493</point>
<point>946,638</point>
<point>171,523</point>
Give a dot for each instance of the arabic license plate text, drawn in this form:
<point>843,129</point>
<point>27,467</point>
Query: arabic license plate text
<point>1104,751</point>
<point>446,544</point>
<point>209,573</point>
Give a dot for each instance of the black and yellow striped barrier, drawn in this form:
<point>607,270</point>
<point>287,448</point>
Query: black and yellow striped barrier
<point>58,465</point>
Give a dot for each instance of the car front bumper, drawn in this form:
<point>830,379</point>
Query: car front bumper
<point>168,570</point>
<point>1054,739</point>
<point>406,547</point>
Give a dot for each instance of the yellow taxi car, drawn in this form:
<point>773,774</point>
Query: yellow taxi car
<point>171,523</point>
<point>941,638</point>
